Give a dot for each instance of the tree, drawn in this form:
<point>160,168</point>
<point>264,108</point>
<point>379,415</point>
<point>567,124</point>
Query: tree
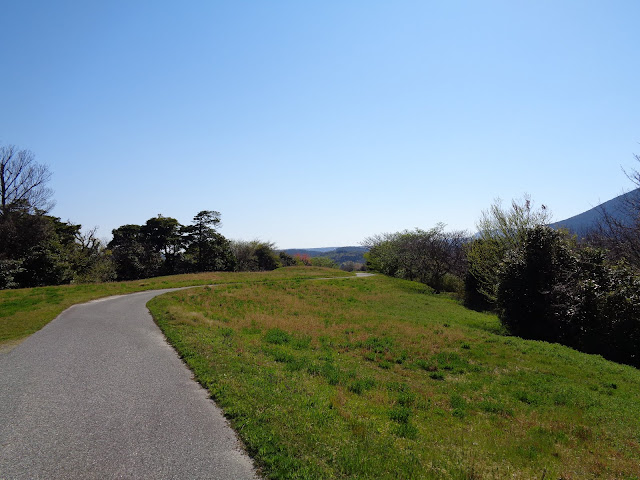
<point>200,233</point>
<point>255,255</point>
<point>36,249</point>
<point>324,262</point>
<point>130,256</point>
<point>161,235</point>
<point>206,249</point>
<point>549,289</point>
<point>424,255</point>
<point>23,182</point>
<point>499,231</point>
<point>534,280</point>
<point>90,260</point>
<point>286,260</point>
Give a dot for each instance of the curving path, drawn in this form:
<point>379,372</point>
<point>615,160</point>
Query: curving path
<point>99,394</point>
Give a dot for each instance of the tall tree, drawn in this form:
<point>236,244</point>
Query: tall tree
<point>208,250</point>
<point>23,182</point>
<point>131,258</point>
<point>33,246</point>
<point>161,235</point>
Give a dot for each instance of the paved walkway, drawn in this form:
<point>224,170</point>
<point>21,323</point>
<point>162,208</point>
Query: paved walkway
<point>99,394</point>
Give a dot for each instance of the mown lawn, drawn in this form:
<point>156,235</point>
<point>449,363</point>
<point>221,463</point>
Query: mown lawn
<point>379,378</point>
<point>27,310</point>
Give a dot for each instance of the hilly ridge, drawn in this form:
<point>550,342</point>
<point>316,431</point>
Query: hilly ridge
<point>339,255</point>
<point>579,224</point>
<point>582,223</point>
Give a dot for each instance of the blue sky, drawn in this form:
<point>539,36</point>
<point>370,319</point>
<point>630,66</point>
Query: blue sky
<point>316,124</point>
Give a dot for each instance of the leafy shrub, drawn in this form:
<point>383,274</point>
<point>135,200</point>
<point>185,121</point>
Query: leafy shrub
<point>351,266</point>
<point>286,260</point>
<point>548,290</point>
<point>324,262</point>
<point>256,255</point>
<point>500,230</point>
<point>473,297</point>
<point>426,256</point>
<point>452,283</point>
<point>533,282</point>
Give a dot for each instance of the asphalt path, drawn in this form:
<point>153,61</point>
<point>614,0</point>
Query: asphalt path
<point>99,394</point>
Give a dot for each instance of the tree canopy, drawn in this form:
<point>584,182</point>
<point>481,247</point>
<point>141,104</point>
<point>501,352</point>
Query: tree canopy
<point>499,230</point>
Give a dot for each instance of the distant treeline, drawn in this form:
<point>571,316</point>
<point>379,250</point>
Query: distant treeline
<point>39,249</point>
<point>347,258</point>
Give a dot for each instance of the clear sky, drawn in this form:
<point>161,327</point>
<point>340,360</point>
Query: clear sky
<point>319,123</point>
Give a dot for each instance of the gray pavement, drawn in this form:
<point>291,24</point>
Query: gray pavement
<point>99,394</point>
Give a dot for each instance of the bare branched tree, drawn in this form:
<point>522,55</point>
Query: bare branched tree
<point>618,229</point>
<point>23,181</point>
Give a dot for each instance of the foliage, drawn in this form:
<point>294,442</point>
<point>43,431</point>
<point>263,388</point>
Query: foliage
<point>36,248</point>
<point>39,249</point>
<point>533,296</point>
<point>90,260</point>
<point>8,271</point>
<point>132,260</point>
<point>324,262</point>
<point>286,260</point>
<point>427,256</point>
<point>163,246</point>
<point>499,231</point>
<point>257,255</point>
<point>161,235</point>
<point>548,290</point>
<point>350,266</point>
<point>205,249</point>
<point>302,259</point>
<point>473,298</point>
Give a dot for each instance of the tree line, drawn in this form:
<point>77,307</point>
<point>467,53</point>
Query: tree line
<point>544,284</point>
<point>39,249</point>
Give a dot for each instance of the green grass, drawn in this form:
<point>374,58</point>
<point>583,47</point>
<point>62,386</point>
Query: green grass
<point>25,311</point>
<point>379,378</point>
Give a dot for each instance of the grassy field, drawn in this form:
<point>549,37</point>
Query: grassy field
<point>27,310</point>
<point>379,378</point>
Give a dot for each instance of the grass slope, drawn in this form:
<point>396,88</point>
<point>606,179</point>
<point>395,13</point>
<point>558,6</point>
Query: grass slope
<point>25,311</point>
<point>379,378</point>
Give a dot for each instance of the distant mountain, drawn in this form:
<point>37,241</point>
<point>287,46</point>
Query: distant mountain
<point>339,255</point>
<point>581,224</point>
<point>317,251</point>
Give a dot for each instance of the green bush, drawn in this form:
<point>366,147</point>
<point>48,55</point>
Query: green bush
<point>433,257</point>
<point>534,280</point>
<point>323,262</point>
<point>549,290</point>
<point>452,283</point>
